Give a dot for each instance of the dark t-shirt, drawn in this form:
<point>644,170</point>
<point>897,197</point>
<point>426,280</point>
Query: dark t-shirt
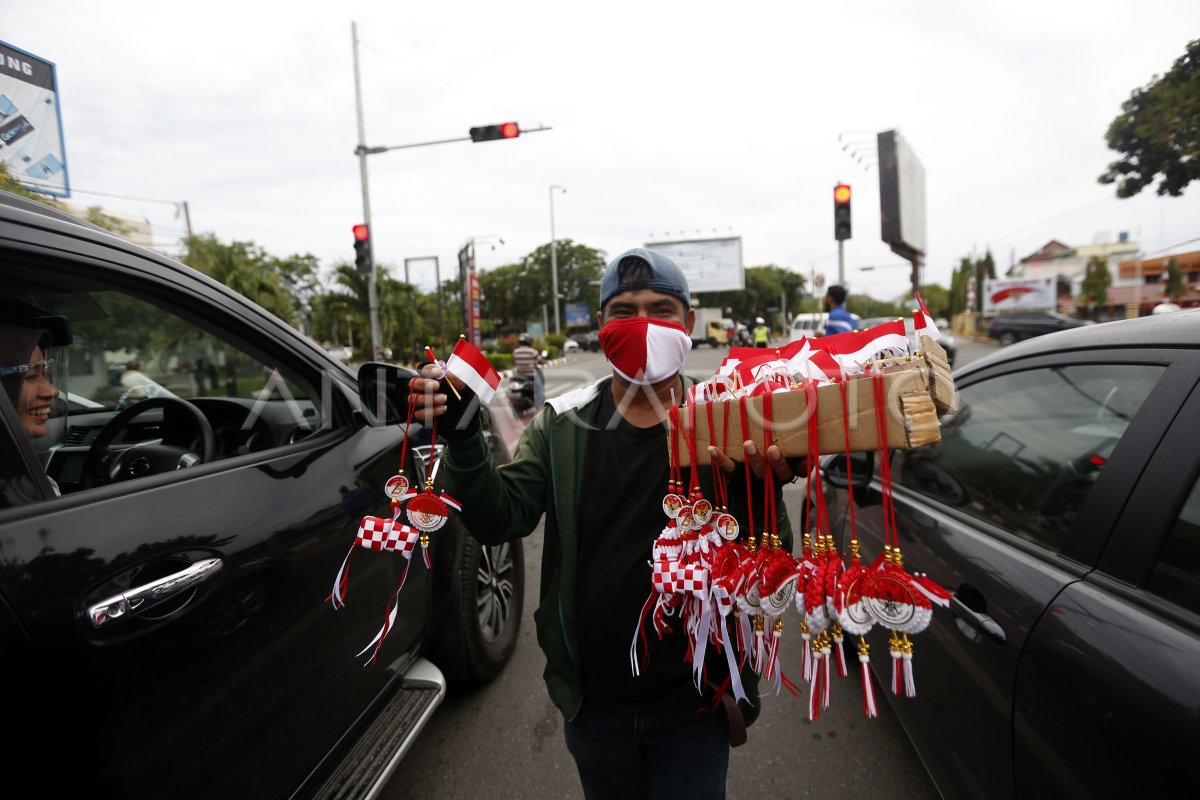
<point>624,480</point>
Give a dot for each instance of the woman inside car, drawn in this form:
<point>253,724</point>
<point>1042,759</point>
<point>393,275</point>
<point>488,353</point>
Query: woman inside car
<point>25,374</point>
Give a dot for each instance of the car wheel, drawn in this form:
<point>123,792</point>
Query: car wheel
<point>486,612</point>
<point>1007,338</point>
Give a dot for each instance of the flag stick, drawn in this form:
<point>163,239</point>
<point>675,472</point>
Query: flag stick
<point>429,353</point>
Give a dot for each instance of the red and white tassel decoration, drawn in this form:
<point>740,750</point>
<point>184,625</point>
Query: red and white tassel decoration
<point>864,658</point>
<point>814,696</point>
<point>826,671</point>
<point>894,648</point>
<point>838,639</point>
<point>806,653</point>
<point>910,685</point>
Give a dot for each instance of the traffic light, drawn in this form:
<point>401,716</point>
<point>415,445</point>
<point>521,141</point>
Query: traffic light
<point>362,249</point>
<point>841,211</point>
<point>486,133</point>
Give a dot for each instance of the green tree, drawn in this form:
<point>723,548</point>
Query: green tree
<point>1157,132</point>
<point>10,184</point>
<point>958,287</point>
<point>1175,288</point>
<point>245,268</point>
<point>1096,281</point>
<point>766,287</point>
<point>96,216</point>
<point>515,293</point>
<point>936,298</point>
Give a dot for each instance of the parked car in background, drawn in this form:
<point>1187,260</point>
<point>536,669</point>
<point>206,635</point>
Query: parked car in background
<point>945,334</point>
<point>809,324</point>
<point>1009,328</point>
<point>165,621</point>
<point>341,353</point>
<point>1062,509</point>
<point>586,340</point>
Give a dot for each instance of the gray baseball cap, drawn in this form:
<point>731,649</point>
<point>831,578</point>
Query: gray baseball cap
<point>665,277</point>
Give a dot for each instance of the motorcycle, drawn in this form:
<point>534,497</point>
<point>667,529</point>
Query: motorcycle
<point>520,393</point>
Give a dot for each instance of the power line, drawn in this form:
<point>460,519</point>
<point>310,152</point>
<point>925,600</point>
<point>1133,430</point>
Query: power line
<point>1172,247</point>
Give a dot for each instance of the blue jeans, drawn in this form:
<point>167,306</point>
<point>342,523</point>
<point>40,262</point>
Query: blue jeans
<point>678,749</point>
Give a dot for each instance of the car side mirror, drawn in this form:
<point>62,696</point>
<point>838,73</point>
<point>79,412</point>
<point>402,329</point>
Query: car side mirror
<point>383,389</point>
<point>853,470</point>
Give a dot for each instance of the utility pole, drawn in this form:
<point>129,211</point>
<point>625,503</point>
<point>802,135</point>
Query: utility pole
<point>372,296</point>
<point>554,259</point>
<point>187,218</point>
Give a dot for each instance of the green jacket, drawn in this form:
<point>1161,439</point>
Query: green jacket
<point>545,476</point>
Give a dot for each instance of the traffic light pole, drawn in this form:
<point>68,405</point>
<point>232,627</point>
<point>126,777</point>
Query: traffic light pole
<point>842,263</point>
<point>372,290</point>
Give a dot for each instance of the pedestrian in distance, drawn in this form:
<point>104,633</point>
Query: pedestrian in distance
<point>839,319</point>
<point>762,334</point>
<point>594,461</point>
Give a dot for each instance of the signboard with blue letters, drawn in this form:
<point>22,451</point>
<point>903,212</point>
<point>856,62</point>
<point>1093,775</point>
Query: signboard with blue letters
<point>31,137</point>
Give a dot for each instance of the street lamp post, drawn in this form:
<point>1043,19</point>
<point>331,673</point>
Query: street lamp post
<point>372,292</point>
<point>554,258</point>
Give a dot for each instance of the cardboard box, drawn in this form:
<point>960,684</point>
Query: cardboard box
<point>915,394</point>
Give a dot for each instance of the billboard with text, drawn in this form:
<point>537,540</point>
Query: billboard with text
<point>31,140</point>
<point>1001,295</point>
<point>710,265</point>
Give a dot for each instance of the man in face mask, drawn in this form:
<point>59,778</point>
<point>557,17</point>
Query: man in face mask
<point>595,462</point>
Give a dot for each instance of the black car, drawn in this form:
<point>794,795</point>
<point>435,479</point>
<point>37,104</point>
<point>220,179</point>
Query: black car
<point>587,340</point>
<point>1062,509</point>
<point>1009,328</point>
<point>165,621</point>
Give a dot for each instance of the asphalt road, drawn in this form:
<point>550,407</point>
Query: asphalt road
<point>504,739</point>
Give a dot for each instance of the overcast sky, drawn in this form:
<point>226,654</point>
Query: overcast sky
<point>670,120</point>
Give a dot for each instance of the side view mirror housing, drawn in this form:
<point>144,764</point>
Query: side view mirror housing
<point>383,389</point>
<point>844,471</point>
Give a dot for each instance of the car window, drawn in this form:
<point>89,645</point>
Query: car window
<point>1176,573</point>
<point>1025,448</point>
<point>127,349</point>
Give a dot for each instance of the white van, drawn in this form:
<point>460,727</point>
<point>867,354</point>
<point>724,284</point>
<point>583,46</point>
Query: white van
<point>811,324</point>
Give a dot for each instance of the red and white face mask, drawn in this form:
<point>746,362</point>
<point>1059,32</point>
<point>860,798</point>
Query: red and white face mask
<point>645,351</point>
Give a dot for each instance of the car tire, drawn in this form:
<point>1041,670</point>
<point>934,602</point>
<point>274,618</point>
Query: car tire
<point>1007,338</point>
<point>485,614</point>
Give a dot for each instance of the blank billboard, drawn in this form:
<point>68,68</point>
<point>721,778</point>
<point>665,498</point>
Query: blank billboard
<point>710,265</point>
<point>901,196</point>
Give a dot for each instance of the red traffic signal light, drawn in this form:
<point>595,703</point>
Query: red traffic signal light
<point>841,211</point>
<point>487,133</point>
<point>362,249</point>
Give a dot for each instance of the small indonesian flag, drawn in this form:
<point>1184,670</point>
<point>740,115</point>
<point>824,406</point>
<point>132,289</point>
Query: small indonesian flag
<point>854,348</point>
<point>923,324</point>
<point>471,367</point>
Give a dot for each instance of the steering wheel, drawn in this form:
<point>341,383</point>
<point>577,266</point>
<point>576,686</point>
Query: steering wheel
<point>183,428</point>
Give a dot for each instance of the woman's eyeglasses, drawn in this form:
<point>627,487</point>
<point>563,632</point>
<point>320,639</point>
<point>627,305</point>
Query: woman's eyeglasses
<point>37,370</point>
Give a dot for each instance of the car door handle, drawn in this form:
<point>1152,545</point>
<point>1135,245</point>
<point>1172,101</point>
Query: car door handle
<point>151,594</point>
<point>980,622</point>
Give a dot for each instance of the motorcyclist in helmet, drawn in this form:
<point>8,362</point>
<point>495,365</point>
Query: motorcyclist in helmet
<point>526,361</point>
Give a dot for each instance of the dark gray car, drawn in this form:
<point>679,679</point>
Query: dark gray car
<point>1009,328</point>
<point>1062,509</point>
